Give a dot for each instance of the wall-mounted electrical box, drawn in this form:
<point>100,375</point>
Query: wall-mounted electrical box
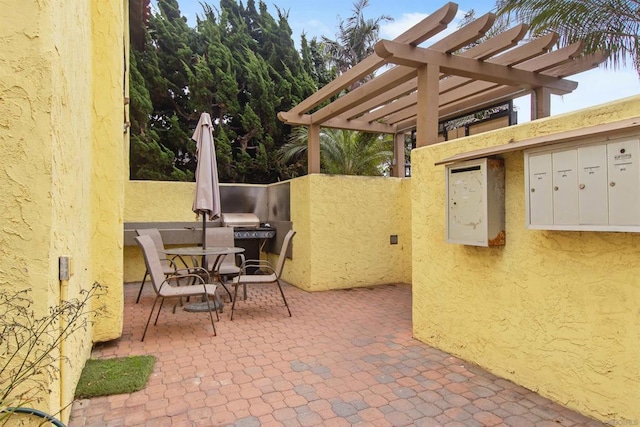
<point>475,202</point>
<point>594,186</point>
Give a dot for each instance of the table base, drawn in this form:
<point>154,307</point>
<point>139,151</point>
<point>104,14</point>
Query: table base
<point>199,307</point>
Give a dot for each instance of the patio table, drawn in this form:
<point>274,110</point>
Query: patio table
<point>199,252</point>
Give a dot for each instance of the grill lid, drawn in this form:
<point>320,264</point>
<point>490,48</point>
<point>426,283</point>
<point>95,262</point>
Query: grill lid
<point>249,220</point>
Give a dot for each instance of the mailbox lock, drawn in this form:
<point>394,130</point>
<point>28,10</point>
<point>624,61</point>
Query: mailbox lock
<point>581,186</point>
<point>533,190</point>
<point>556,188</point>
<point>612,184</point>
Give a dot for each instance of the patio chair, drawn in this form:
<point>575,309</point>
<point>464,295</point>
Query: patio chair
<point>228,267</point>
<point>266,274</point>
<point>169,266</point>
<point>163,287</point>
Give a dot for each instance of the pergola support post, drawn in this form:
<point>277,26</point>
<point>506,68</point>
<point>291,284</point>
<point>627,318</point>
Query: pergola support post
<point>540,103</point>
<point>398,155</point>
<point>313,149</point>
<point>427,108</point>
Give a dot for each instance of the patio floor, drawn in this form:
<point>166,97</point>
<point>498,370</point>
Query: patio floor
<point>345,357</point>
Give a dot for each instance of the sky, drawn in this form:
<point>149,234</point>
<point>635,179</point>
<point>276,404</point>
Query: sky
<point>318,18</point>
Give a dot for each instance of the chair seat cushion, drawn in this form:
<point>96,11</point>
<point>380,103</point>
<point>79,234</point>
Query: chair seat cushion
<point>167,269</point>
<point>255,278</point>
<point>184,291</point>
<point>229,269</point>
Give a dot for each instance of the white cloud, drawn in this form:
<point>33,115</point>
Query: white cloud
<point>597,86</point>
<point>312,28</point>
<point>391,30</point>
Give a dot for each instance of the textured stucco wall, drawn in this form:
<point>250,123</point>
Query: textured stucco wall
<point>109,144</point>
<point>27,168</point>
<point>49,125</point>
<point>57,197</point>
<point>159,201</point>
<point>153,201</point>
<point>343,226</point>
<point>554,311</point>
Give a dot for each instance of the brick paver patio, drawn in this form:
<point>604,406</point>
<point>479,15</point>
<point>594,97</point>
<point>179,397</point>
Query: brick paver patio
<point>346,357</point>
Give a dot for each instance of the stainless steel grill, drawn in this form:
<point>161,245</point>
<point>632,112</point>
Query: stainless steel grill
<point>249,220</point>
<point>247,226</point>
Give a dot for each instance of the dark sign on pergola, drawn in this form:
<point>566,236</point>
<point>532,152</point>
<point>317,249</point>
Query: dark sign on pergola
<point>450,77</point>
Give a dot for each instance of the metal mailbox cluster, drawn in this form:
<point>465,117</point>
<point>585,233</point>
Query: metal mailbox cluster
<point>592,186</point>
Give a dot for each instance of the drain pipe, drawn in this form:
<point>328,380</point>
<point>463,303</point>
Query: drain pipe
<point>64,264</point>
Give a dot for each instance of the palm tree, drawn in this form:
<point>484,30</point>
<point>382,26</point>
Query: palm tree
<point>612,25</point>
<point>344,152</point>
<point>355,39</point>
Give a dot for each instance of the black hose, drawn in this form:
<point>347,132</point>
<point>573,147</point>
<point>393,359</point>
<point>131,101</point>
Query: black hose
<point>53,420</point>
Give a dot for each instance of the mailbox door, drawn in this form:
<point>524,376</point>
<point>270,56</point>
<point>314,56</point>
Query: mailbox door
<point>592,185</point>
<point>565,187</point>
<point>540,190</point>
<point>624,182</point>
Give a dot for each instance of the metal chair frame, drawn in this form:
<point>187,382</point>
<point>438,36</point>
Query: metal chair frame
<point>197,276</point>
<point>272,276</point>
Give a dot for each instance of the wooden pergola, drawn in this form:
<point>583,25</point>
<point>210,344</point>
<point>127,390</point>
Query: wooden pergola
<point>451,77</point>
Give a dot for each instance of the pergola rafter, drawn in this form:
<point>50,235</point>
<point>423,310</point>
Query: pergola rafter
<point>453,76</point>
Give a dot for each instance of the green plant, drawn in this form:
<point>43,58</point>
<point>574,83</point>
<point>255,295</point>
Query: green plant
<point>30,346</point>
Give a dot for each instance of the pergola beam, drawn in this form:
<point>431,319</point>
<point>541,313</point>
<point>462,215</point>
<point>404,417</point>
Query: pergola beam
<point>491,47</point>
<point>305,120</point>
<point>465,35</point>
<point>473,103</point>
<point>386,99</point>
<point>457,88</point>
<point>513,57</point>
<point>553,59</point>
<point>352,75</point>
<point>578,65</point>
<point>428,27</point>
<point>451,77</point>
<point>409,56</point>
<point>375,87</point>
<point>497,44</point>
<point>393,107</point>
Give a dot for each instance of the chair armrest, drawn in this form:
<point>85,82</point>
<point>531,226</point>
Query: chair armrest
<point>178,277</point>
<point>240,259</point>
<point>193,271</point>
<point>257,263</point>
<point>171,263</point>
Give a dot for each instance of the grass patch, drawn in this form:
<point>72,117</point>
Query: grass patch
<point>104,377</point>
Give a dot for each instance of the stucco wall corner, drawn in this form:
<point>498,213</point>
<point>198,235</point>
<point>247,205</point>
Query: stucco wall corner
<point>555,311</point>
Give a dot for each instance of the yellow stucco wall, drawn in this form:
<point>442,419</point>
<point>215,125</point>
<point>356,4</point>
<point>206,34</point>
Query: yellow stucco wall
<point>554,311</point>
<point>110,147</point>
<point>51,128</point>
<point>343,226</point>
<point>153,201</point>
<point>159,201</point>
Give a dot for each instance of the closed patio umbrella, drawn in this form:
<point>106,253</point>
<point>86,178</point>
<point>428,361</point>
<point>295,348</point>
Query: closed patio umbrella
<point>207,198</point>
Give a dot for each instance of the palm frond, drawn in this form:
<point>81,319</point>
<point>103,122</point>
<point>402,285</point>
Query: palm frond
<point>610,25</point>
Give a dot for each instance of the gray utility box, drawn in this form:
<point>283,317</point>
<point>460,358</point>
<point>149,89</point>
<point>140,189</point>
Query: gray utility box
<point>475,202</point>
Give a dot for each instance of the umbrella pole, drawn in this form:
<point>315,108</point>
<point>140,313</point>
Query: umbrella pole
<point>204,230</point>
